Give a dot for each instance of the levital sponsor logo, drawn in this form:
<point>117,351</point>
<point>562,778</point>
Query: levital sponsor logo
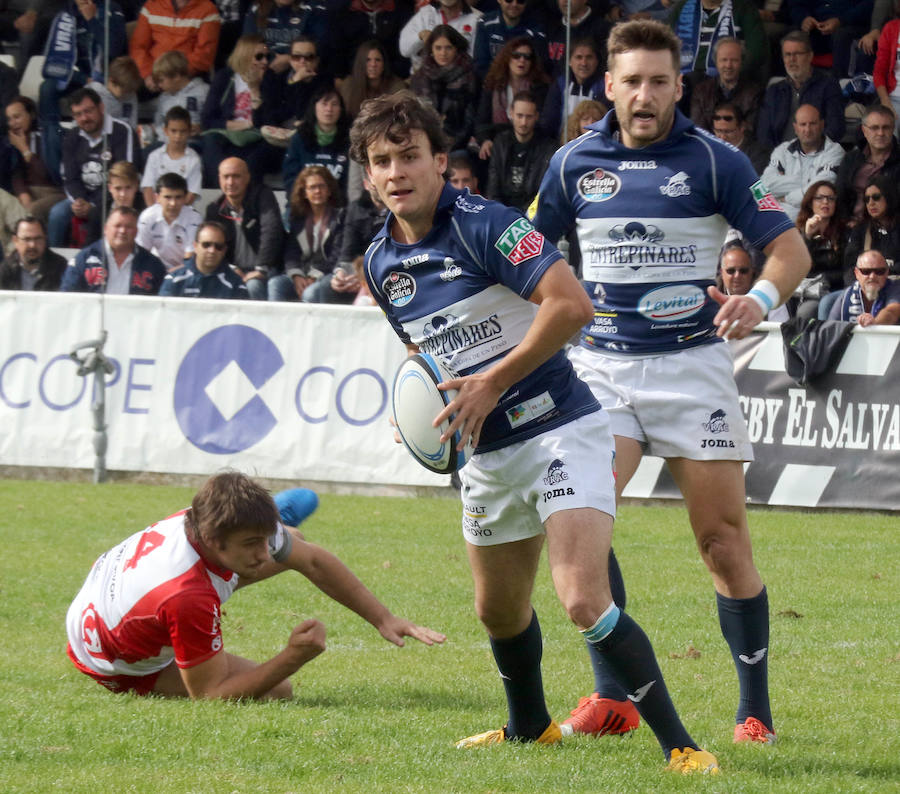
<point>671,303</point>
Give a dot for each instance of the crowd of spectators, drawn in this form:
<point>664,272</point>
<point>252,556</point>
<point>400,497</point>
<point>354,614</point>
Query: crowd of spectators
<point>185,98</point>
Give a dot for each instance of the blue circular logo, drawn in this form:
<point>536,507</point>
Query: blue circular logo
<point>216,401</point>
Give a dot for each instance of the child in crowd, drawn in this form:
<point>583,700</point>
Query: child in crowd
<point>167,228</point>
<point>171,73</point>
<point>119,95</point>
<point>122,183</point>
<point>175,157</point>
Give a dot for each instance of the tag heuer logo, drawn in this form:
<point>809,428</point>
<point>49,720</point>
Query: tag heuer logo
<point>764,199</point>
<point>520,241</point>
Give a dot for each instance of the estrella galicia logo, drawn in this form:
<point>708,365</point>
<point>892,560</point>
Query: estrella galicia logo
<point>556,473</point>
<point>207,381</point>
<point>716,423</point>
<point>400,288</point>
<point>636,232</point>
<point>599,185</point>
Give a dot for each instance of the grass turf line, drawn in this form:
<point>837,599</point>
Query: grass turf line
<point>369,717</point>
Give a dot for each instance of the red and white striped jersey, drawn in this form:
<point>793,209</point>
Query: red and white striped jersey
<point>150,599</point>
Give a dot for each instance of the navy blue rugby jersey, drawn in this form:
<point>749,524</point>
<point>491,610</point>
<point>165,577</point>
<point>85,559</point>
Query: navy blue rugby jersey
<point>461,294</point>
<point>650,224</point>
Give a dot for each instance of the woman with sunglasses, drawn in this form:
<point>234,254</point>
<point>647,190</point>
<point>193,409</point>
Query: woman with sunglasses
<point>370,77</point>
<point>279,22</point>
<point>512,19</point>
<point>879,229</point>
<point>446,80</point>
<point>242,98</point>
<point>516,68</point>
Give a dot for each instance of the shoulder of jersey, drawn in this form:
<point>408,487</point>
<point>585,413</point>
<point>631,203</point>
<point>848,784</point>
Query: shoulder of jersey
<point>470,205</point>
<point>714,140</point>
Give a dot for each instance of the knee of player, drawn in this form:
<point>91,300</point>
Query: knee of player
<point>723,549</point>
<point>584,611</point>
<point>499,622</point>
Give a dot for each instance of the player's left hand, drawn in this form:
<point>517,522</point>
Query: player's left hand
<point>738,315</point>
<point>394,629</point>
<point>477,396</point>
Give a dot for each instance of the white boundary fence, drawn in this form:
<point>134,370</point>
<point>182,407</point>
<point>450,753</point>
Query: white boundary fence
<point>296,392</point>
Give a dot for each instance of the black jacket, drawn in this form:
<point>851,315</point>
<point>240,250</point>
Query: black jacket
<point>821,91</point>
<point>219,105</point>
<point>501,185</point>
<point>262,231</point>
<point>852,162</point>
<point>361,224</point>
<point>81,158</point>
<point>49,274</point>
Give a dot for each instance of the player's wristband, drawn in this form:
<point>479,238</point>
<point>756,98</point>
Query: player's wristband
<point>766,295</point>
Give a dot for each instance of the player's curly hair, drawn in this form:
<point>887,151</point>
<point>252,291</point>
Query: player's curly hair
<point>642,34</point>
<point>394,117</point>
<point>230,502</point>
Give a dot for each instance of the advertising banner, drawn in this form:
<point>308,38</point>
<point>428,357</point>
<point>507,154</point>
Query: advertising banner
<point>286,391</point>
<point>832,443</point>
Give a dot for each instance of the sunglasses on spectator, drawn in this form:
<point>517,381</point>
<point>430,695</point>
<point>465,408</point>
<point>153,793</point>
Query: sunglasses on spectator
<point>522,56</point>
<point>872,271</point>
<point>732,270</point>
<point>824,197</point>
<point>874,197</point>
<point>261,56</point>
<point>516,2</point>
<point>303,56</point>
<point>720,117</point>
<point>217,246</point>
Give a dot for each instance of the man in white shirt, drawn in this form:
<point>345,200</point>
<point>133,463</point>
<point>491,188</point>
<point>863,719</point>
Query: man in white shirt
<point>169,227</point>
<point>795,165</point>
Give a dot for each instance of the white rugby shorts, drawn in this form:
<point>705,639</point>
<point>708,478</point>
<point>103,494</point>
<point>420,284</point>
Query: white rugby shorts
<point>509,493</point>
<point>677,405</point>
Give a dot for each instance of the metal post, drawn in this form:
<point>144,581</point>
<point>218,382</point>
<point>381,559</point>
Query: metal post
<point>95,363</point>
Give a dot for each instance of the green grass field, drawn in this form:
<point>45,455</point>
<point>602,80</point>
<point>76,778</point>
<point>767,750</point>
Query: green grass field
<point>369,717</point>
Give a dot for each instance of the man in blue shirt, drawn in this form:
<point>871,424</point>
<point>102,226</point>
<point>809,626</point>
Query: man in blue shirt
<point>652,197</point>
<point>871,299</point>
<point>473,283</point>
<point>206,274</point>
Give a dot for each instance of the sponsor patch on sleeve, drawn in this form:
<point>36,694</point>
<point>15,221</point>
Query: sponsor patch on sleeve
<point>764,199</point>
<point>520,242</point>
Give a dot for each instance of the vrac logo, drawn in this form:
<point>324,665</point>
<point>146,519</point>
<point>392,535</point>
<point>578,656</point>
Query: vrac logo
<point>216,401</point>
<point>677,185</point>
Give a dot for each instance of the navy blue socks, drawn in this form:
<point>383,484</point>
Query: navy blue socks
<point>519,662</point>
<point>745,626</point>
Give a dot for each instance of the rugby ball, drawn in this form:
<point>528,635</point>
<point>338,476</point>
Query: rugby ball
<point>416,402</point>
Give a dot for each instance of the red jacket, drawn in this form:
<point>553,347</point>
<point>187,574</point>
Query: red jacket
<point>883,75</point>
<point>194,30</point>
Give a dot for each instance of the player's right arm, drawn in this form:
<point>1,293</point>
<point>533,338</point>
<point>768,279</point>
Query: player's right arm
<point>221,676</point>
<point>564,308</point>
